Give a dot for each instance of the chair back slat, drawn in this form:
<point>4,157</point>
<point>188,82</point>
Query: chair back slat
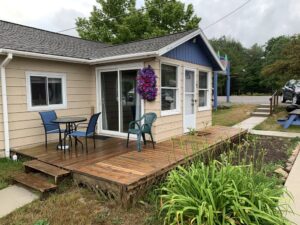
<point>149,119</point>
<point>92,123</point>
<point>47,118</point>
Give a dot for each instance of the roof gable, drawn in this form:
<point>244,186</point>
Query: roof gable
<point>191,51</point>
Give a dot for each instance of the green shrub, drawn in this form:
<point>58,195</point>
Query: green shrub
<point>221,193</point>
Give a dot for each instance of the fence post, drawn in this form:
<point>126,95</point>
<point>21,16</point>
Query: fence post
<point>271,101</point>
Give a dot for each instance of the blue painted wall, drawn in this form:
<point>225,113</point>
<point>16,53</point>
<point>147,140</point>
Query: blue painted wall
<point>193,52</point>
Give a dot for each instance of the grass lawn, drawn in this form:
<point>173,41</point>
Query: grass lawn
<point>76,205</point>
<point>7,169</point>
<point>232,115</point>
<point>271,122</point>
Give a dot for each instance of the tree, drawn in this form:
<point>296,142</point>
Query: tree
<point>251,81</point>
<point>118,21</point>
<point>237,56</point>
<point>169,16</point>
<point>282,61</point>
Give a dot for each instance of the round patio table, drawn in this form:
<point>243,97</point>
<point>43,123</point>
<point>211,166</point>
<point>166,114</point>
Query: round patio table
<point>69,121</point>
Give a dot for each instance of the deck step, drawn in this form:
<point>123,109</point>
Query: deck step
<point>46,169</point>
<point>261,114</point>
<point>34,182</point>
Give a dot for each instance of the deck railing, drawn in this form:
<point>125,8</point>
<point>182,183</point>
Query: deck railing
<point>274,101</point>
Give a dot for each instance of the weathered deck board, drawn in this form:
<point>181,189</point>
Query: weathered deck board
<point>111,162</point>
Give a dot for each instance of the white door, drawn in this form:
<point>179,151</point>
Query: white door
<point>189,100</point>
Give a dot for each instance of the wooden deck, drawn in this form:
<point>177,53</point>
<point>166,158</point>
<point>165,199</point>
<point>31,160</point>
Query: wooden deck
<point>123,172</point>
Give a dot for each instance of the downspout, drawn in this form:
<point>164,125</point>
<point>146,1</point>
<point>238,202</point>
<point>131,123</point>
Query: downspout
<point>4,103</point>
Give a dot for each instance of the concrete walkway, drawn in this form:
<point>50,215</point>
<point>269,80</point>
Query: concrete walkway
<point>275,133</point>
<point>14,197</point>
<point>293,186</point>
<point>250,123</point>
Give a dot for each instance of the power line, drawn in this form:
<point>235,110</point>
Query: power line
<point>227,15</point>
<point>61,31</point>
<point>210,25</point>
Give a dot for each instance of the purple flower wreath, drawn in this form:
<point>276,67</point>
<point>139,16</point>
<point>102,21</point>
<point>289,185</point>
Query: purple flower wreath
<point>146,83</point>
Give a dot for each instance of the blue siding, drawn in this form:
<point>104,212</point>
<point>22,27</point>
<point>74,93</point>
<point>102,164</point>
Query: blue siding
<point>193,52</point>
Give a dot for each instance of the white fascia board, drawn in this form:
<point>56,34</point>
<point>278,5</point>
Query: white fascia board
<point>212,50</point>
<point>44,56</point>
<point>124,57</point>
<point>188,37</point>
<point>78,60</point>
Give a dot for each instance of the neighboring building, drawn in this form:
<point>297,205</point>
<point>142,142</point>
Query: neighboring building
<point>42,70</point>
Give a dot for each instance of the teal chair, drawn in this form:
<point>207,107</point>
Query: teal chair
<point>136,128</point>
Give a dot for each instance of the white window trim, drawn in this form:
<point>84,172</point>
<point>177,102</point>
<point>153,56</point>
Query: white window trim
<point>172,111</point>
<point>208,89</point>
<point>48,75</point>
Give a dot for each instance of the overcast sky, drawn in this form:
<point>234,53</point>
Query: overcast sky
<point>255,23</point>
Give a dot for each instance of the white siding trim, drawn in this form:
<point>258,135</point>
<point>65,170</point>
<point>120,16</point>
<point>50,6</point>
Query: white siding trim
<point>209,91</point>
<point>178,97</point>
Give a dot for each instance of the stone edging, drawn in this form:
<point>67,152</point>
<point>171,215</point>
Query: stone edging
<point>284,172</point>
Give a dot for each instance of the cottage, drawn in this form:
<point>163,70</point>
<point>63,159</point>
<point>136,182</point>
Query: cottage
<point>42,70</point>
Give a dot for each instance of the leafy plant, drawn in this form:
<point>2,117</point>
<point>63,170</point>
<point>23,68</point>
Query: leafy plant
<point>41,222</point>
<point>222,193</point>
<point>192,131</point>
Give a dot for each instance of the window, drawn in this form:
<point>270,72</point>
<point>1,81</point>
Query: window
<point>203,90</point>
<point>169,89</point>
<point>45,91</point>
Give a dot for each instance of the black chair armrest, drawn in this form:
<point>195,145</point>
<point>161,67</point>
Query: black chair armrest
<point>83,125</point>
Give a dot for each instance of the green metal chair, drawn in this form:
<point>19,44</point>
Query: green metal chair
<point>136,128</point>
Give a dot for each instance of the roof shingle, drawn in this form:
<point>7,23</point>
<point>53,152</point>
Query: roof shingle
<point>29,39</point>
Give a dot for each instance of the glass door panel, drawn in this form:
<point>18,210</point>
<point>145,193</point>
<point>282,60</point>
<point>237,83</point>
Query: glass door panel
<point>110,101</point>
<point>130,103</point>
<point>189,100</point>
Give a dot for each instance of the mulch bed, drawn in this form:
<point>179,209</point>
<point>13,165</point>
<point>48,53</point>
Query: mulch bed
<point>276,148</point>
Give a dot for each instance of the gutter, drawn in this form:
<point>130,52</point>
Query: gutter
<point>4,103</point>
<point>119,58</point>
<point>44,56</point>
<point>78,60</point>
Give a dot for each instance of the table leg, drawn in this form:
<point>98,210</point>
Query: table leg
<point>289,121</point>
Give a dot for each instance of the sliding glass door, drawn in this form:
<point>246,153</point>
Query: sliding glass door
<point>119,100</point>
<point>110,101</point>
